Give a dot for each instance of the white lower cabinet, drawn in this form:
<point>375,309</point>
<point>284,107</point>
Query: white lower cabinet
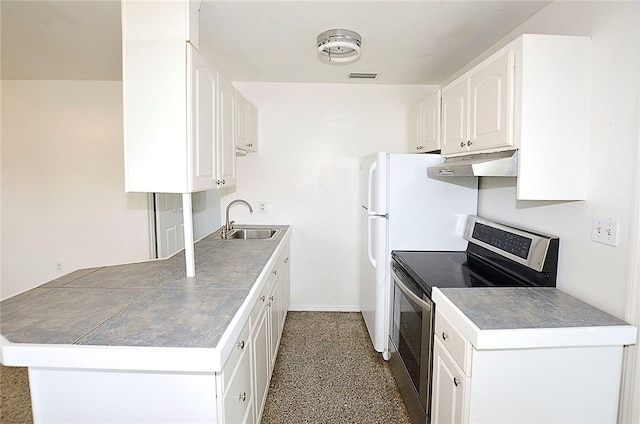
<point>237,404</point>
<point>448,388</point>
<point>267,320</point>
<point>260,361</point>
<point>546,384</point>
<point>245,378</point>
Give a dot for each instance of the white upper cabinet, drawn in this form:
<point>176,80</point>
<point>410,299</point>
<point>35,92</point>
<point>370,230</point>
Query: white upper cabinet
<point>424,125</point>
<point>226,143</point>
<point>203,106</point>
<point>478,109</point>
<point>533,95</point>
<point>179,112</point>
<point>246,124</point>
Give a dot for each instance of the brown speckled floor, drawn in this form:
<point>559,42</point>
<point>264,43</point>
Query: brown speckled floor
<point>15,403</point>
<point>326,372</point>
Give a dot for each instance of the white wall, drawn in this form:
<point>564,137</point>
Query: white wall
<point>310,138</point>
<point>593,272</point>
<point>63,196</point>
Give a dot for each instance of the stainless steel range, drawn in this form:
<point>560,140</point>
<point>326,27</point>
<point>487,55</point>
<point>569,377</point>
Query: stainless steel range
<point>497,255</point>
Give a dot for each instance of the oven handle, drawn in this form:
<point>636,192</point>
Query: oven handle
<point>424,304</point>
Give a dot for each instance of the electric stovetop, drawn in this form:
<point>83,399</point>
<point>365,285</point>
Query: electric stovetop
<point>447,269</point>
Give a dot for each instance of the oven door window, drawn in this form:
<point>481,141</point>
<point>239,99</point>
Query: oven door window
<point>411,335</point>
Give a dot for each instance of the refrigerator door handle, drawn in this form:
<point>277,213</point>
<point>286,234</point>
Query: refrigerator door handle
<point>372,169</point>
<point>372,260</point>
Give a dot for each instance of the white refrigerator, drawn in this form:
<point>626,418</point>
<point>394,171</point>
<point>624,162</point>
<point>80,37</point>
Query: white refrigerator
<point>401,208</point>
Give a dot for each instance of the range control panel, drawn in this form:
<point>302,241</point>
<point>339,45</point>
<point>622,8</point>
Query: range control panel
<point>520,245</point>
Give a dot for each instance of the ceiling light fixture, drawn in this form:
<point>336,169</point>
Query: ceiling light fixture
<point>339,46</point>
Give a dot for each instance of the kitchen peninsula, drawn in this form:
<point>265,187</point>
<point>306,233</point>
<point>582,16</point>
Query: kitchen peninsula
<point>143,343</point>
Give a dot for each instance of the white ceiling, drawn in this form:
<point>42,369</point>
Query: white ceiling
<point>405,42</point>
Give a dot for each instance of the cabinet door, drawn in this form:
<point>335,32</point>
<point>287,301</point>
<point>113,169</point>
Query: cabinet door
<point>252,123</point>
<point>414,129</point>
<point>204,87</point>
<point>430,117</point>
<point>491,104</point>
<point>237,399</point>
<point>455,118</point>
<point>260,352</point>
<point>449,385</point>
<point>242,122</point>
<point>226,146</point>
<point>274,321</point>
<point>284,290</point>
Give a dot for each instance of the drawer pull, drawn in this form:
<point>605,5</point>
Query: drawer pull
<point>241,344</point>
<point>243,396</point>
<point>445,336</point>
<point>263,298</point>
<point>456,382</point>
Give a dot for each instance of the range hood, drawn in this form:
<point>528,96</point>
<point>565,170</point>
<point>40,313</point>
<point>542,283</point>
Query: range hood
<point>498,164</point>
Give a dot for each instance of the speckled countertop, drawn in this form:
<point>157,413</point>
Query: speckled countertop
<point>149,304</point>
<point>494,318</point>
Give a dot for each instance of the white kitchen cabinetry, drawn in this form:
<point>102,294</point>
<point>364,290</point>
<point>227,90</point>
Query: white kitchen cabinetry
<point>226,142</point>
<point>179,112</point>
<point>260,341</point>
<point>477,110</point>
<point>246,124</point>
<point>179,128</point>
<point>448,388</point>
<point>267,319</point>
<point>424,125</point>
<point>236,384</point>
<point>527,375</point>
<point>533,95</point>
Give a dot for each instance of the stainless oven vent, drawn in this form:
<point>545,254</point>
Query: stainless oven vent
<point>498,164</point>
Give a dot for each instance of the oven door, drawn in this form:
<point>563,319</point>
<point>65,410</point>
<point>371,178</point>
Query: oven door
<point>411,343</point>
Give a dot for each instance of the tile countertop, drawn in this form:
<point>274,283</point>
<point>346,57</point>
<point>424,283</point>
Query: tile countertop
<point>512,318</point>
<point>129,311</point>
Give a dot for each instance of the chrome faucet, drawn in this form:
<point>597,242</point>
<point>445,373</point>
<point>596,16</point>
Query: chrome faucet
<point>228,225</point>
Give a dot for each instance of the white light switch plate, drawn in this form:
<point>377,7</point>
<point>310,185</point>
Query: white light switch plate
<point>605,230</point>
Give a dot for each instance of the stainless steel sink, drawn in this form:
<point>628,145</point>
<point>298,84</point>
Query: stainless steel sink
<point>252,234</point>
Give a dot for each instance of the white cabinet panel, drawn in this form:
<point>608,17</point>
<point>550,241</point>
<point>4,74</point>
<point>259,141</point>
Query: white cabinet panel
<point>455,117</point>
<point>534,95</point>
<point>226,145</point>
<point>448,401</point>
<point>423,126</point>
<point>491,105</point>
<point>246,124</point>
<point>204,88</point>
<point>477,111</point>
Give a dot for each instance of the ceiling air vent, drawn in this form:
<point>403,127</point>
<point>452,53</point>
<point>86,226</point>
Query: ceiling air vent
<point>362,75</point>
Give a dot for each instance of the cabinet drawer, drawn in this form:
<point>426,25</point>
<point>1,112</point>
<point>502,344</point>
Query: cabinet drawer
<point>457,346</point>
<point>237,394</point>
<point>241,346</point>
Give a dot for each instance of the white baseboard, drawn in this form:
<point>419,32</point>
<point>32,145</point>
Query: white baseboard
<point>323,308</point>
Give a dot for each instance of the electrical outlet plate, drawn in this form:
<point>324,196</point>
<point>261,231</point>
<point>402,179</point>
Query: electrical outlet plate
<point>605,230</point>
<point>262,206</point>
